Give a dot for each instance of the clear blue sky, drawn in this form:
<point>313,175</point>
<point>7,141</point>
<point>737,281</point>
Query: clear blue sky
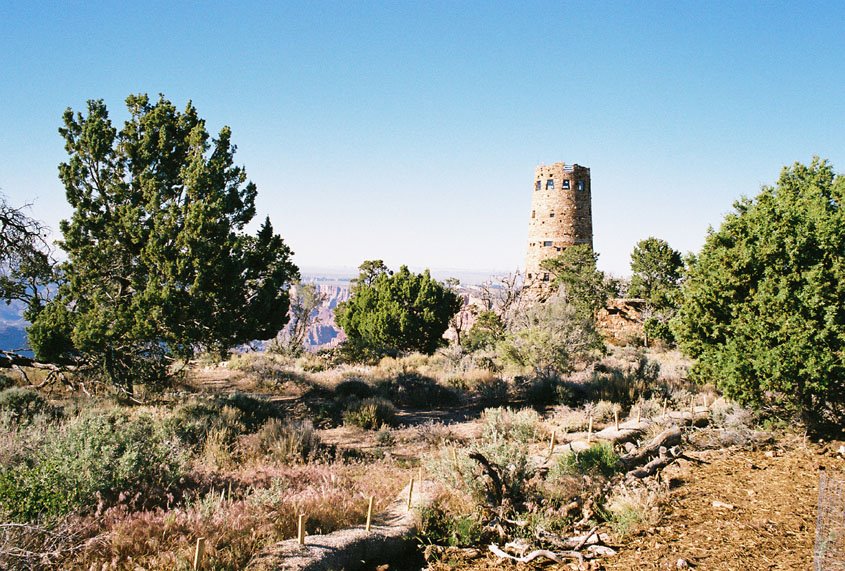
<point>409,131</point>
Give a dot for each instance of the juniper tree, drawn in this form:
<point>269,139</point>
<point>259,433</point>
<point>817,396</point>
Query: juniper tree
<point>158,263</point>
<point>763,307</point>
<point>391,313</point>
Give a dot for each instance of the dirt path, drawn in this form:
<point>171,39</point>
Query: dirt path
<point>766,519</point>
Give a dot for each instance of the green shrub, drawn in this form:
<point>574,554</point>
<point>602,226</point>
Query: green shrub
<point>6,382</point>
<point>385,437</point>
<point>538,391</point>
<point>371,413</point>
<point>230,416</point>
<point>492,391</point>
<point>255,411</point>
<point>599,458</point>
<point>193,421</point>
<point>92,459</point>
<point>440,527</point>
<point>631,508</point>
<point>353,387</point>
<point>658,330</point>
<point>23,404</point>
<point>416,391</point>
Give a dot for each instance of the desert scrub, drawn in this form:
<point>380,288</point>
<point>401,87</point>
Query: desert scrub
<point>282,442</point>
<point>24,404</point>
<point>384,436</point>
<point>370,414</point>
<point>228,416</point>
<point>416,391</point>
<point>570,419</point>
<point>522,426</point>
<point>266,369</point>
<point>90,460</point>
<point>491,390</point>
<point>502,446</point>
<point>353,387</point>
<point>599,458</point>
<point>439,524</point>
<point>456,467</point>
<point>6,381</point>
<point>630,509</point>
<point>194,421</point>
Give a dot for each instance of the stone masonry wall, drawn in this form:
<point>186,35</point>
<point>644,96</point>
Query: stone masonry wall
<point>561,215</point>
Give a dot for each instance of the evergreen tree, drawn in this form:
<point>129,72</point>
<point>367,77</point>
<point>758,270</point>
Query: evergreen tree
<point>655,272</point>
<point>763,306</point>
<point>656,277</point>
<point>583,285</point>
<point>158,264</point>
<point>390,313</point>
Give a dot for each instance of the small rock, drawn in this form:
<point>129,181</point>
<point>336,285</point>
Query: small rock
<point>770,453</point>
<point>841,450</point>
<point>682,564</point>
<point>722,505</point>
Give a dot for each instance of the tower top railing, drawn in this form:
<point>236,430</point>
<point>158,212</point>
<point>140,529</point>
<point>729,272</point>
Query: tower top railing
<point>567,168</point>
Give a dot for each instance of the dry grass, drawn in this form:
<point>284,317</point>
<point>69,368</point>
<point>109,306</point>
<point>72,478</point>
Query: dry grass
<point>568,419</point>
<point>237,528</point>
<point>633,508</point>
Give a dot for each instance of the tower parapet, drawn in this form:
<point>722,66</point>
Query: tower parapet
<point>561,215</point>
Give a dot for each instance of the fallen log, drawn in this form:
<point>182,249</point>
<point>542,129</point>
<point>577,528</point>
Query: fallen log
<point>627,431</point>
<point>575,543</point>
<point>664,458</point>
<point>667,438</point>
<point>557,557</point>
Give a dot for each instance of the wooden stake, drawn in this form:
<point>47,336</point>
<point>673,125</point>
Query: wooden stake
<point>419,475</point>
<point>199,552</point>
<point>664,409</point>
<point>410,492</point>
<point>370,513</point>
<point>616,418</point>
<point>590,429</point>
<point>300,531</point>
<point>454,456</point>
<point>639,412</point>
<point>552,442</point>
<point>704,398</point>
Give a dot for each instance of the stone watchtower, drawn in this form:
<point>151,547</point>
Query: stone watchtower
<point>561,216</point>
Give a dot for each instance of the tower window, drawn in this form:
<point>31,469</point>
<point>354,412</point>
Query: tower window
<point>566,184</point>
<point>550,184</point>
<point>580,185</point>
<point>551,214</point>
<point>537,185</point>
<point>547,243</point>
